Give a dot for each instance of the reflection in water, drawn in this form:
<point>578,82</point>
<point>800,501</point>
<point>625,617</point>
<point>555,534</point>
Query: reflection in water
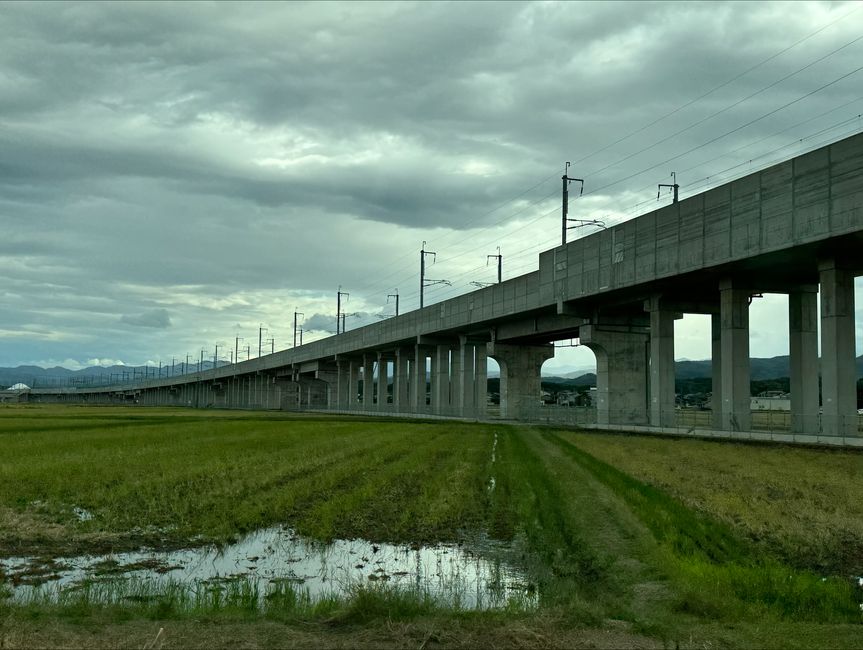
<point>450,573</point>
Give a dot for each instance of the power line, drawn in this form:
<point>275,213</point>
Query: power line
<point>549,195</point>
<point>549,242</point>
<point>727,108</point>
<point>755,142</point>
<point>715,88</point>
<point>727,133</point>
<point>397,271</point>
<point>737,103</point>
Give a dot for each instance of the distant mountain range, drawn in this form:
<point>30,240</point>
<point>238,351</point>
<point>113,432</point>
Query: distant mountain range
<point>586,379</point>
<point>759,369</point>
<point>35,376</point>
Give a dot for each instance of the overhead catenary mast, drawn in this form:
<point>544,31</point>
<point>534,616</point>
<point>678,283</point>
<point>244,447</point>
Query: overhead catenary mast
<point>499,259</point>
<point>673,185</point>
<point>565,181</point>
<point>579,223</point>
<point>299,313</point>
<point>339,318</point>
<point>423,281</point>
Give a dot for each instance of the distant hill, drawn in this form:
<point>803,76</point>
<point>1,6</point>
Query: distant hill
<point>760,369</point>
<point>35,376</point>
<point>587,379</point>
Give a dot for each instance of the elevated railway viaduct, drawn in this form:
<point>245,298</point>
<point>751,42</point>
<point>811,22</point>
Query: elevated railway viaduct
<point>793,228</point>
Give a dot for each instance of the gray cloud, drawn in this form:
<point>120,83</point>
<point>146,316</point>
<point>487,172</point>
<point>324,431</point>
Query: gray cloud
<point>157,318</point>
<point>319,323</point>
<point>327,322</point>
<point>230,163</point>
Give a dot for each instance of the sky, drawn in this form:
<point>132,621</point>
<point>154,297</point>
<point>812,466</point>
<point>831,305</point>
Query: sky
<point>177,175</point>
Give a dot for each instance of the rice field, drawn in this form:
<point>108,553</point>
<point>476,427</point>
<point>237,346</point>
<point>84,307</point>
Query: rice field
<point>619,541</point>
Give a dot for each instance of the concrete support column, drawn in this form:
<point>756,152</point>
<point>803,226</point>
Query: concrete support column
<point>440,379</point>
<point>401,380</point>
<point>343,383</point>
<point>520,377</point>
<point>287,391</point>
<point>661,365</point>
<point>455,381</point>
<point>418,379</point>
<point>354,382</point>
<point>480,384</point>
<point>716,370</point>
<point>838,371</point>
<point>621,373</point>
<point>329,378</point>
<point>383,381</point>
<point>803,359</point>
<point>368,381</point>
<point>466,394</point>
<point>313,392</point>
<point>734,339</point>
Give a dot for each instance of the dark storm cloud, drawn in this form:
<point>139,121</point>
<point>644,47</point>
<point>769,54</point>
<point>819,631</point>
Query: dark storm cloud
<point>427,86</point>
<point>327,322</point>
<point>158,318</point>
<point>228,163</point>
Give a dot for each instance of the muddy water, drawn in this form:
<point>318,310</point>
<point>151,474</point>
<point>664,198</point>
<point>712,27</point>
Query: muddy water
<point>450,573</point>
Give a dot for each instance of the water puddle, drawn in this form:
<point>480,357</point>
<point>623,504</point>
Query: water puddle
<point>82,514</point>
<point>453,574</point>
<point>491,481</point>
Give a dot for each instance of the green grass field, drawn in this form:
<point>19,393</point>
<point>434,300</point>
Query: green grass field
<point>632,541</point>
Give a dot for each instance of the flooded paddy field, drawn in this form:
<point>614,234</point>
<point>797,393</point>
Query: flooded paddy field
<point>470,576</point>
<point>282,529</point>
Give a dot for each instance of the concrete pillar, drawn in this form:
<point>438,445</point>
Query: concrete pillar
<point>455,381</point>
<point>465,379</point>
<point>803,359</point>
<point>343,383</point>
<point>401,380</point>
<point>716,370</point>
<point>838,371</point>
<point>520,377</point>
<point>662,404</point>
<point>418,379</point>
<point>288,396</point>
<point>621,373</point>
<point>329,376</point>
<point>354,382</point>
<point>440,379</point>
<point>383,381</point>
<point>480,383</point>
<point>271,392</point>
<point>313,392</point>
<point>734,339</point>
<point>368,381</point>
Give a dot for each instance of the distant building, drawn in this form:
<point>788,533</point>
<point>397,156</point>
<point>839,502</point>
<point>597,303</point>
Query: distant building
<point>15,393</point>
<point>576,398</point>
<point>771,400</point>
